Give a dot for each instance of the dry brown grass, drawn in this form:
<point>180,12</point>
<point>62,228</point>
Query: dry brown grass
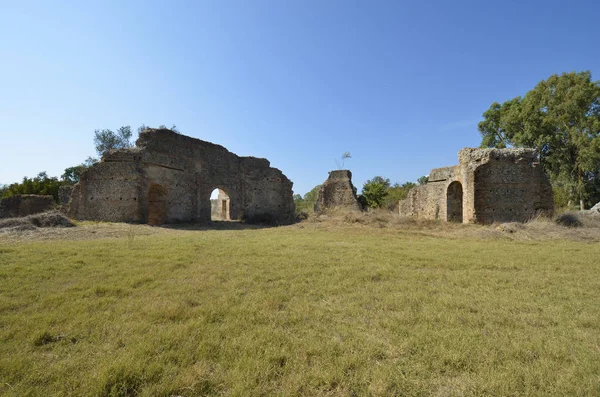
<point>538,228</point>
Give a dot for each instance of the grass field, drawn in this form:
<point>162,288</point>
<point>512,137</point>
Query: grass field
<point>307,310</point>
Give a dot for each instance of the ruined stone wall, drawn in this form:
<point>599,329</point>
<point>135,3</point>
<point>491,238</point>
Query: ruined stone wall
<point>111,190</point>
<point>64,195</point>
<point>493,185</point>
<point>25,204</point>
<point>423,201</point>
<point>169,177</point>
<point>429,201</point>
<point>337,192</point>
<point>509,185</point>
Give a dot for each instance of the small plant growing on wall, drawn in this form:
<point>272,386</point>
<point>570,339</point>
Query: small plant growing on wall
<point>345,155</point>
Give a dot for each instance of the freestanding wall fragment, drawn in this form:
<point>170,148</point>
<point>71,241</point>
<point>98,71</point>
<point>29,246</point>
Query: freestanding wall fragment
<point>337,191</point>
<point>25,204</point>
<point>487,186</point>
<point>169,177</point>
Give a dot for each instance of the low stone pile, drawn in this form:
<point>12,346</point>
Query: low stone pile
<point>32,222</point>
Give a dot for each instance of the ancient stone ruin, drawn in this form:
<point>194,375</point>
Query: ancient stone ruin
<point>487,186</point>
<point>25,204</point>
<point>169,177</point>
<point>64,195</point>
<point>337,192</point>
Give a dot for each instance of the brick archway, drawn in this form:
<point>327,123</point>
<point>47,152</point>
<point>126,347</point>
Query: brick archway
<point>454,200</point>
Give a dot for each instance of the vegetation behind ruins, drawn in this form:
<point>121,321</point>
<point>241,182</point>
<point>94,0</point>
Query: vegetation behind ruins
<point>350,304</point>
<point>560,118</point>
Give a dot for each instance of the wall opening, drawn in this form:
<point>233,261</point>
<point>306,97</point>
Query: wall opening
<point>220,206</point>
<point>455,202</point>
<point>157,204</point>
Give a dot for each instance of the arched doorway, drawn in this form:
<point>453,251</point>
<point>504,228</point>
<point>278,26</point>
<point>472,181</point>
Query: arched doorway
<point>220,206</point>
<point>157,204</point>
<point>455,202</point>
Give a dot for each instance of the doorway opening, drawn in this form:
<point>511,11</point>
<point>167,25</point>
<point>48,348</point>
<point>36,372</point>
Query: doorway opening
<point>220,206</point>
<point>455,202</point>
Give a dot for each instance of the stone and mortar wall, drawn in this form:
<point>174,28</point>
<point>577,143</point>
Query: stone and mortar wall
<point>64,195</point>
<point>337,192</point>
<point>509,185</point>
<point>25,204</point>
<point>498,185</point>
<point>182,172</point>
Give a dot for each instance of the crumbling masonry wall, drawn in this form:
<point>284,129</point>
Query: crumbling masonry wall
<point>168,178</point>
<point>337,192</point>
<point>487,186</point>
<point>25,204</point>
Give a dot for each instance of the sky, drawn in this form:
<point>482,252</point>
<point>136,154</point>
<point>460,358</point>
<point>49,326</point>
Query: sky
<point>401,85</point>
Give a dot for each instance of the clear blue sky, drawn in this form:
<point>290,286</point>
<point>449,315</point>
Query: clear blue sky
<point>401,85</point>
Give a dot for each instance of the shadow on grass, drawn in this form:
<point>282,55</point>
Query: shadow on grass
<point>217,225</point>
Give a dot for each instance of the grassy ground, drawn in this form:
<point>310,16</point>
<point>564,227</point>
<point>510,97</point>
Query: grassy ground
<point>313,309</point>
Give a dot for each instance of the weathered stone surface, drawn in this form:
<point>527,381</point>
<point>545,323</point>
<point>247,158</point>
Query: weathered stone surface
<point>24,205</point>
<point>337,192</point>
<point>64,195</point>
<point>594,211</point>
<point>487,186</point>
<point>168,177</point>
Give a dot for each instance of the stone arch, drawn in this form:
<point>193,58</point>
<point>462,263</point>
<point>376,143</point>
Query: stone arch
<point>220,208</point>
<point>454,200</point>
<point>157,204</point>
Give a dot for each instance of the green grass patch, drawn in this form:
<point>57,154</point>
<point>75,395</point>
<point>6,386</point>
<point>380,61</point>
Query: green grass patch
<point>299,311</point>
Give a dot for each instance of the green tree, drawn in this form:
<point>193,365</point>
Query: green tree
<point>121,139</point>
<point>307,203</point>
<point>375,191</point>
<point>72,174</point>
<point>560,118</point>
<point>106,139</point>
<point>423,180</point>
<point>396,193</point>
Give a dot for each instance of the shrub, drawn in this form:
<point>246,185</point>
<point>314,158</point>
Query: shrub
<point>569,220</point>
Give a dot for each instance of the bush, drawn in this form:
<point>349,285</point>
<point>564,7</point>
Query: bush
<point>301,216</point>
<point>569,220</point>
